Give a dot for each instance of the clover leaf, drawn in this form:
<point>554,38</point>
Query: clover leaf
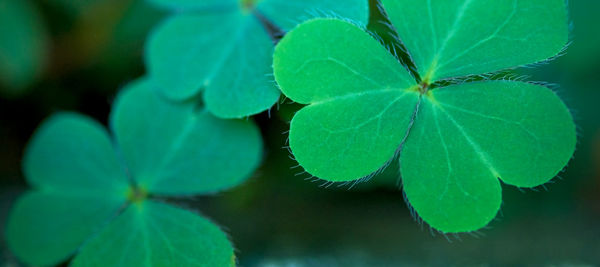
<point>223,48</point>
<point>455,141</point>
<point>23,46</point>
<point>97,195</point>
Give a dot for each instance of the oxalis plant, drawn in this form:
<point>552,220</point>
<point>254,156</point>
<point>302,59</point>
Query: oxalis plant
<point>455,140</point>
<point>101,199</point>
<point>224,48</point>
<point>105,199</point>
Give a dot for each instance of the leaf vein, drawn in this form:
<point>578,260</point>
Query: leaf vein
<point>480,153</point>
<point>485,40</point>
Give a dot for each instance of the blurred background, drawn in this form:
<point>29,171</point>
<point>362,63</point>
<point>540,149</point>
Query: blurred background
<point>75,55</point>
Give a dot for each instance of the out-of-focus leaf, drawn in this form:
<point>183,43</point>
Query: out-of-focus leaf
<point>71,152</point>
<point>156,234</point>
<point>171,149</point>
<point>226,55</point>
<point>46,228</point>
<point>23,46</point>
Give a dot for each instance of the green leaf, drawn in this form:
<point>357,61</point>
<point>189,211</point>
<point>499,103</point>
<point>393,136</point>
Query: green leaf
<point>196,4</point>
<point>23,45</point>
<point>155,234</point>
<point>46,228</point>
<point>454,142</point>
<point>466,136</point>
<point>452,38</point>
<point>227,55</point>
<point>73,165</point>
<point>172,149</point>
<point>73,153</point>
<point>287,14</point>
<point>375,100</point>
<point>313,73</point>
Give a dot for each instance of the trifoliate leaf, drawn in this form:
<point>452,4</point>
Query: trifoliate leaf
<point>80,184</point>
<point>228,55</point>
<point>452,38</point>
<point>23,45</point>
<point>156,234</point>
<point>46,228</point>
<point>172,149</point>
<point>454,142</point>
<point>73,153</point>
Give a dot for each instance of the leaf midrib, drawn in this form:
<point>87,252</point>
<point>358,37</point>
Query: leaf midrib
<point>484,157</point>
<point>174,148</point>
<point>229,50</point>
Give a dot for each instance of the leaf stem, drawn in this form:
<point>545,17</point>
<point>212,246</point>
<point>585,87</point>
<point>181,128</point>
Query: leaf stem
<point>273,30</point>
<point>380,25</point>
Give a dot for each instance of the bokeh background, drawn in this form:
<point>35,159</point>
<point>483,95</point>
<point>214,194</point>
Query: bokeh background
<point>75,55</point>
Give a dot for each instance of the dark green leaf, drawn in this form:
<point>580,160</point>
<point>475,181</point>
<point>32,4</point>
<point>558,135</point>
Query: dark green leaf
<point>73,153</point>
<point>227,55</point>
<point>156,234</point>
<point>173,149</point>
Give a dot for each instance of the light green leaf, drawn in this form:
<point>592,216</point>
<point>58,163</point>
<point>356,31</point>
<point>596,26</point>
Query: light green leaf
<point>45,228</point>
<point>228,55</point>
<point>23,45</point>
<point>197,4</point>
<point>287,14</point>
<point>344,146</point>
<point>467,136</point>
<point>73,153</point>
<point>155,234</point>
<point>514,123</point>
<point>451,38</point>
<point>459,139</point>
<point>172,149</point>
<point>309,73</point>
<point>375,101</point>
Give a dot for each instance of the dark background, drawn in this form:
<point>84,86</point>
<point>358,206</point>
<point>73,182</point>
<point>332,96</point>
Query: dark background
<point>278,218</point>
